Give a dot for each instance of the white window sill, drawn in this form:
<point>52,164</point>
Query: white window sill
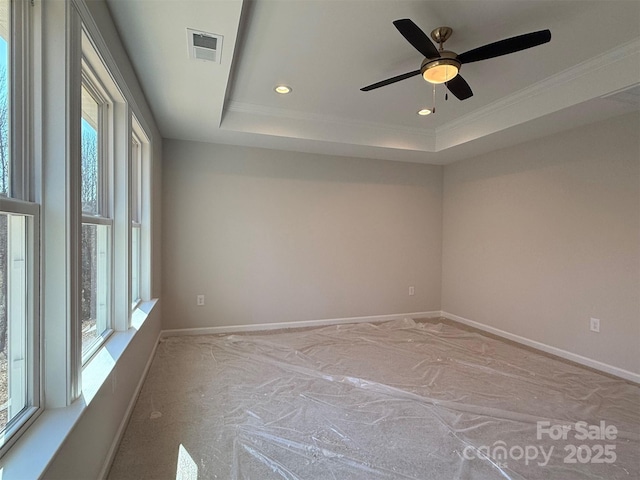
<point>30,456</point>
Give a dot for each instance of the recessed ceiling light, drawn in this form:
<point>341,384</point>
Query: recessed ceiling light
<point>282,89</point>
<point>424,111</point>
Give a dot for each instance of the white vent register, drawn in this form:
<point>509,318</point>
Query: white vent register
<point>204,46</point>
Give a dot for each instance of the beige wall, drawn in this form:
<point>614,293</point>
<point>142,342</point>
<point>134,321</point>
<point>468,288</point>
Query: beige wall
<point>272,236</point>
<point>540,237</point>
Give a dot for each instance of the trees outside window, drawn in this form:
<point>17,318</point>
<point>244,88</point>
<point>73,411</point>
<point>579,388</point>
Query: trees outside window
<point>4,191</point>
<point>96,225</point>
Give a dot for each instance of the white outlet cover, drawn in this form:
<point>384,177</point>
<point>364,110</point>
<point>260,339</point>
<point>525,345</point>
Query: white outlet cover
<point>594,325</point>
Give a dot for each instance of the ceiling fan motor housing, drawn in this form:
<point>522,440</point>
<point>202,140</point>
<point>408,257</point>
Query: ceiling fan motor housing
<point>441,34</point>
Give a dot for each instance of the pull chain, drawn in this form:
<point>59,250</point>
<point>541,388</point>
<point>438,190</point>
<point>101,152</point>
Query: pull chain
<point>434,99</point>
<point>446,93</point>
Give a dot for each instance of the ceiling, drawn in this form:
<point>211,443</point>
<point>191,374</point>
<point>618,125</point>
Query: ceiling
<point>326,50</point>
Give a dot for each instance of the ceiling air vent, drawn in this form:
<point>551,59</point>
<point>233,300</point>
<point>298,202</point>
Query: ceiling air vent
<point>204,46</point>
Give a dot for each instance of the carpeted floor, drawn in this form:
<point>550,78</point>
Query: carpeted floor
<point>397,400</point>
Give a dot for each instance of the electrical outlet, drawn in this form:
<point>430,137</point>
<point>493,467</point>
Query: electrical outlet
<point>200,300</point>
<point>412,291</point>
<point>594,325</point>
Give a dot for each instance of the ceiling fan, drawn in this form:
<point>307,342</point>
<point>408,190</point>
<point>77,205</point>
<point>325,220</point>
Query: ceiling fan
<point>443,66</point>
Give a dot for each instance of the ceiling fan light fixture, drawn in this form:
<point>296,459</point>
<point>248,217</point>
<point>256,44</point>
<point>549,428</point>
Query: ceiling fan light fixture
<point>440,70</point>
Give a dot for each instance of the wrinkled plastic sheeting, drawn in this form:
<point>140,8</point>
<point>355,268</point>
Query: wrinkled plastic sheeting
<point>397,400</point>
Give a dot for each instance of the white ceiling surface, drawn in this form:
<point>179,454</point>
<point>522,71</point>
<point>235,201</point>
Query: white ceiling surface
<point>326,50</point>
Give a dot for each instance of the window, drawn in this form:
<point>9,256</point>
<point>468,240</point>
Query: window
<point>73,162</point>
<point>5,124</point>
<point>16,359</point>
<point>19,223</point>
<point>140,214</point>
<point>136,218</point>
<point>95,298</point>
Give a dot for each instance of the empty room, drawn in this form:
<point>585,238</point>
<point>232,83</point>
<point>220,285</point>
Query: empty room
<point>319,239</point>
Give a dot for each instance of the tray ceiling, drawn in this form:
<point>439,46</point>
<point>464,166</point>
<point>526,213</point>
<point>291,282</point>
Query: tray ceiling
<point>327,50</point>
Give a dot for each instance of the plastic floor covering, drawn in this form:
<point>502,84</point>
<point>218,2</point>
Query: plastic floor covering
<point>397,400</point>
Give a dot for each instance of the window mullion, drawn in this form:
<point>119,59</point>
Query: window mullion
<point>120,142</point>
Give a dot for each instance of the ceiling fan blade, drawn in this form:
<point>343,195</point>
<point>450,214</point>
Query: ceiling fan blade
<point>459,87</point>
<point>389,81</point>
<point>506,46</point>
<point>416,37</point>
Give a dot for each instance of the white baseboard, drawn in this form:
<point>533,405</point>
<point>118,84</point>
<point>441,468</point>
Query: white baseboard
<point>125,420</point>
<point>297,324</point>
<point>574,357</point>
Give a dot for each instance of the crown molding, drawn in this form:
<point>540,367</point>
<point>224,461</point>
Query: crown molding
<point>569,87</point>
<point>254,109</point>
<point>527,96</point>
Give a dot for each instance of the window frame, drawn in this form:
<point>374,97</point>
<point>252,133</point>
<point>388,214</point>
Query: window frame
<point>96,92</point>
<point>20,201</point>
<point>144,206</point>
<point>19,80</point>
<point>135,204</point>
<point>30,302</point>
<point>94,84</point>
